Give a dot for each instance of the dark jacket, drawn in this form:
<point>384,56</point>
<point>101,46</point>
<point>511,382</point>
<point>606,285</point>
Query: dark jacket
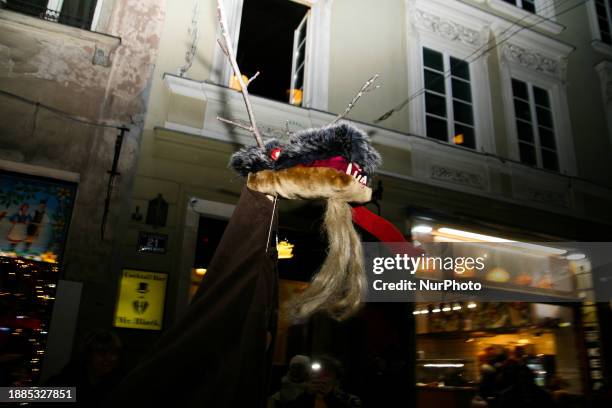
<point>216,355</point>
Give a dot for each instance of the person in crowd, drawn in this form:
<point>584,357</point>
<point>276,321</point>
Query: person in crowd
<point>294,384</point>
<point>323,388</point>
<point>95,371</point>
<point>518,388</point>
<point>489,360</point>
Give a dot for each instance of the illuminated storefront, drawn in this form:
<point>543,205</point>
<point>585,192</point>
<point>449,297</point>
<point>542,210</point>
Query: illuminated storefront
<point>535,315</point>
<point>35,213</point>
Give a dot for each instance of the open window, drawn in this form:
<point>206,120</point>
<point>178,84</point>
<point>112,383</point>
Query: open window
<point>279,38</point>
<point>273,40</point>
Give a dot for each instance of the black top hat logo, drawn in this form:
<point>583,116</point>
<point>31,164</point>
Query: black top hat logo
<point>143,287</point>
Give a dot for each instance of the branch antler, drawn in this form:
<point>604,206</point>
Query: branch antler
<point>367,87</point>
<point>228,49</point>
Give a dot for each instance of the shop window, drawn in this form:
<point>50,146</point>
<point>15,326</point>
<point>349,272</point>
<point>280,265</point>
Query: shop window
<point>76,13</point>
<point>273,40</point>
<point>527,5</point>
<point>35,214</point>
<point>534,125</point>
<point>449,109</point>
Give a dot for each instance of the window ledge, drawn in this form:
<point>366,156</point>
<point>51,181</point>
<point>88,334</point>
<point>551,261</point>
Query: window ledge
<point>602,47</point>
<point>546,23</point>
<point>104,43</point>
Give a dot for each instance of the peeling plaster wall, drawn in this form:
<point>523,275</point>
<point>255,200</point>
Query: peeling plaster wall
<point>99,77</point>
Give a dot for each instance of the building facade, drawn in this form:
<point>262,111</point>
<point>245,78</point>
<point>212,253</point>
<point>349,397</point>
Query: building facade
<point>492,115</point>
<point>74,83</point>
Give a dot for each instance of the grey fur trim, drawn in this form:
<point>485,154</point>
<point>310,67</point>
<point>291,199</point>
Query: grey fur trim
<point>306,146</point>
<point>251,159</point>
<point>340,139</point>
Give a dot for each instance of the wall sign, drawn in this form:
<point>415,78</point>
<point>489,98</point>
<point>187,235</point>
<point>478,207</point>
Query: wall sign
<point>141,300</point>
<point>152,243</point>
<point>592,342</point>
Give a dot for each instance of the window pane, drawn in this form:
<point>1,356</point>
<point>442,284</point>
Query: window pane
<point>519,89</point>
<point>436,129</point>
<point>525,131</point>
<point>435,104</point>
<point>34,8</point>
<point>463,112</point>
<point>528,154</point>
<point>460,68</point>
<point>461,90</point>
<point>522,111</point>
<point>541,97</point>
<point>544,117</point>
<point>464,136</point>
<point>434,81</point>
<point>549,160</point>
<point>529,5</point>
<point>601,9</point>
<point>433,59</point>
<point>547,138</point>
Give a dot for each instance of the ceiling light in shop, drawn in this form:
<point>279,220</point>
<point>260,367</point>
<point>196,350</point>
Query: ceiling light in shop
<point>422,229</point>
<point>444,365</point>
<point>575,257</point>
<point>200,271</point>
<point>471,305</point>
<point>435,310</point>
<point>471,235</point>
<point>488,238</point>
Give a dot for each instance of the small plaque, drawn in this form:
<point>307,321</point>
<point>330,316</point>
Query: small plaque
<point>152,243</point>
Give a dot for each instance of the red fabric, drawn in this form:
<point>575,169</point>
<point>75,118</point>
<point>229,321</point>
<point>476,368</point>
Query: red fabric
<point>337,162</point>
<point>384,231</point>
<point>376,225</point>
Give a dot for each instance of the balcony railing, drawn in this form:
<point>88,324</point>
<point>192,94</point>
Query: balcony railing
<point>73,13</point>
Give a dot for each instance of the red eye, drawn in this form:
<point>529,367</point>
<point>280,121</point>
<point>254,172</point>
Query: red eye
<point>275,153</point>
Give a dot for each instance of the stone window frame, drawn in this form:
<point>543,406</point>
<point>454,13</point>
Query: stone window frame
<point>543,64</point>
<point>544,8</point>
<point>316,76</point>
<point>597,44</point>
<point>455,30</point>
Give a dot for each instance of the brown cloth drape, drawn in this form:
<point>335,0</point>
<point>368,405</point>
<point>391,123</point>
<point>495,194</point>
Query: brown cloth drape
<point>216,355</point>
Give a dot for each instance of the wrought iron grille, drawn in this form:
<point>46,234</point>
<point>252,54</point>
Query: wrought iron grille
<point>40,9</point>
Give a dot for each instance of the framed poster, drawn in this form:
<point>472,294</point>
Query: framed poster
<point>35,214</point>
<point>141,300</point>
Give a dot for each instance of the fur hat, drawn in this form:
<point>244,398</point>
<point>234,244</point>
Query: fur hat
<point>334,161</point>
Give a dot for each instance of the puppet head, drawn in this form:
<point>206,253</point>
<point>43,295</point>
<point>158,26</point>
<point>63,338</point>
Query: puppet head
<point>335,163</point>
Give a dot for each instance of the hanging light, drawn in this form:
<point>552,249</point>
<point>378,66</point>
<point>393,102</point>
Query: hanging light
<point>285,249</point>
